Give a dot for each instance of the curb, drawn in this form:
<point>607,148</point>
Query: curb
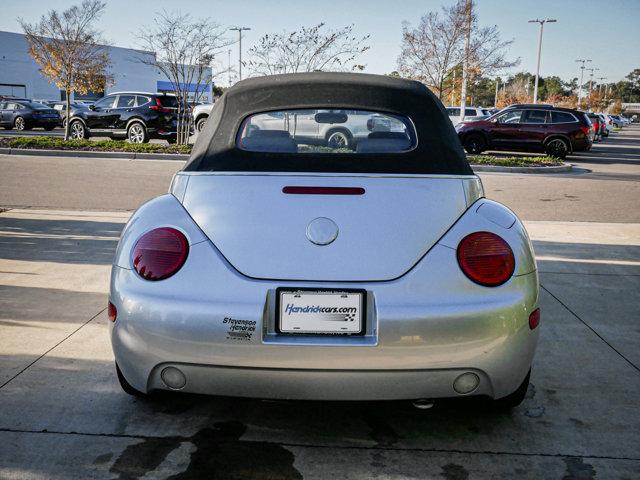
<point>180,157</point>
<point>565,167</point>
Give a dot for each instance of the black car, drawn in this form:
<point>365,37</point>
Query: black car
<point>61,108</point>
<point>135,116</point>
<point>25,115</point>
<point>530,128</point>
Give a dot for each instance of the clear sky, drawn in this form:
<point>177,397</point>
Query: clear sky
<point>605,31</point>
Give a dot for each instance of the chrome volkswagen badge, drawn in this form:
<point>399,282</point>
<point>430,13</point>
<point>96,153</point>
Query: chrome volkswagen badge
<point>322,231</point>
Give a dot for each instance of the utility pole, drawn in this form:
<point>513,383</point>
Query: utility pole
<point>240,30</point>
<point>229,65</point>
<point>541,22</point>
<point>591,79</point>
<point>465,64</point>
<point>582,67</point>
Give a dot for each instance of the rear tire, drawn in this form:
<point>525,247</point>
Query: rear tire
<point>126,386</point>
<point>201,123</point>
<point>338,139</point>
<point>137,133</point>
<point>475,144</point>
<point>514,399</point>
<point>557,148</point>
<point>77,130</point>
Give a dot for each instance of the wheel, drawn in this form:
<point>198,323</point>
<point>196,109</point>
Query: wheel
<point>338,139</point>
<point>126,386</point>
<point>514,399</point>
<point>19,124</point>
<point>201,123</point>
<point>137,133</point>
<point>474,144</point>
<point>77,130</point>
<point>557,148</point>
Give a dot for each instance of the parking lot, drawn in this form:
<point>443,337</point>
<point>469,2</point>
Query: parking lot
<point>63,414</point>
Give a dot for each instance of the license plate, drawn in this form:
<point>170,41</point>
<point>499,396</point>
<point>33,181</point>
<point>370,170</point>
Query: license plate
<point>320,312</point>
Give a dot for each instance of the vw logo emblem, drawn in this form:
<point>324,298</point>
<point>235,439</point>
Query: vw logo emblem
<point>322,231</point>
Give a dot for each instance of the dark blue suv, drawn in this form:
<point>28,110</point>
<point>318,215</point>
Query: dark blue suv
<point>136,116</point>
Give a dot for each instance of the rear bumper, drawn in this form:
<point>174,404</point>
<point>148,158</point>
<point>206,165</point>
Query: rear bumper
<point>422,332</point>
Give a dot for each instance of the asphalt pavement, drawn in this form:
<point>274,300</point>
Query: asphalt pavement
<point>63,415</point>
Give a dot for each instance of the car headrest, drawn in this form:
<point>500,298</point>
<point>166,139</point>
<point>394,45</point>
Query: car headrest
<point>383,142</point>
<point>269,141</point>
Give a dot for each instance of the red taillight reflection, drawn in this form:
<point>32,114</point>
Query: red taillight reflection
<point>158,107</point>
<point>534,319</point>
<point>486,259</point>
<point>160,253</point>
<point>112,312</point>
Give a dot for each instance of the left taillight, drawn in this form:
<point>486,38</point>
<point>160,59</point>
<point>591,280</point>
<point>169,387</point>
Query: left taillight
<point>486,259</point>
<point>160,253</point>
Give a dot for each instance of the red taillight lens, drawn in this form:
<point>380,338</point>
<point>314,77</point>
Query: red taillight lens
<point>160,253</point>
<point>585,130</point>
<point>534,319</point>
<point>112,312</point>
<point>486,258</point>
<point>158,107</point>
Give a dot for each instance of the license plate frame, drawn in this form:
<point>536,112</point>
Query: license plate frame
<point>362,308</point>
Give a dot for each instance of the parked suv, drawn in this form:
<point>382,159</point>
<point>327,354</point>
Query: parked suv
<point>136,116</point>
<point>25,115</point>
<point>470,114</point>
<point>530,128</point>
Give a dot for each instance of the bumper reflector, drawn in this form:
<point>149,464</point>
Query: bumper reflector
<point>534,319</point>
<point>112,312</point>
<point>466,383</point>
<point>173,378</point>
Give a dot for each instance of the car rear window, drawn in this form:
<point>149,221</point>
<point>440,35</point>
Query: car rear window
<point>562,117</point>
<point>326,131</point>
<point>168,101</point>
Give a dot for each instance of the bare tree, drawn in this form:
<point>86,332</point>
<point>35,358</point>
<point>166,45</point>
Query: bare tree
<point>69,49</point>
<point>431,51</point>
<point>185,51</point>
<point>308,49</point>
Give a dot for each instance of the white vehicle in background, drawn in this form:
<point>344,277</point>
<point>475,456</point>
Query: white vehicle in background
<point>332,128</point>
<point>609,122</point>
<point>470,114</point>
<point>200,114</point>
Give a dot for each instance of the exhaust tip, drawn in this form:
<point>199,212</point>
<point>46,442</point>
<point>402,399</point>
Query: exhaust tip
<point>423,404</point>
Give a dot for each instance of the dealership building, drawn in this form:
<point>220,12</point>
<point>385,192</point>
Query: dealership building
<point>20,75</point>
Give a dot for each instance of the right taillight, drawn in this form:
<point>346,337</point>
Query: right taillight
<point>160,253</point>
<point>486,259</point>
<point>585,130</point>
<point>534,319</point>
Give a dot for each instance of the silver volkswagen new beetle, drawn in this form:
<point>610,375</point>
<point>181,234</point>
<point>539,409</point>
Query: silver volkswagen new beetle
<point>284,265</point>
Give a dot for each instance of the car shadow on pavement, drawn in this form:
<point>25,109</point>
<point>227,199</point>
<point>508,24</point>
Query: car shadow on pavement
<point>61,241</point>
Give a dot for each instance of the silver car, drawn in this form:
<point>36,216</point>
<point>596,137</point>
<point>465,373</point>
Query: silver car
<point>279,268</point>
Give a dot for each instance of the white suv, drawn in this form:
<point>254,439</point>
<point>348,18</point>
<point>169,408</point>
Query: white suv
<point>470,114</point>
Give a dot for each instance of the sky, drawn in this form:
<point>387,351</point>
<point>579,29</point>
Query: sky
<point>605,31</point>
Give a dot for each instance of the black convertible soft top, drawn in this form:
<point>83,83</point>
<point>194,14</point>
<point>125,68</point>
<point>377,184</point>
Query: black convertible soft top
<point>438,150</point>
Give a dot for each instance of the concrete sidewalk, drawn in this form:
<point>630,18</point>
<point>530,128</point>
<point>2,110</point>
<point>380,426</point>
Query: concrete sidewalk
<point>63,415</point>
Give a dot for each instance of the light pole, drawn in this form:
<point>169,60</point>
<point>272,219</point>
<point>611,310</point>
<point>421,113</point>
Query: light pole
<point>582,67</point>
<point>600,85</point>
<point>591,79</point>
<point>541,22</point>
<point>229,66</point>
<point>240,30</point>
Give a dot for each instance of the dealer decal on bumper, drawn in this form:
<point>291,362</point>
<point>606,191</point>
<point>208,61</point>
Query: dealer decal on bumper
<point>239,329</point>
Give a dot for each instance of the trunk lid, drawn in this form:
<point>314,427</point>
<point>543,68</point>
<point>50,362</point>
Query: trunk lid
<point>381,234</point>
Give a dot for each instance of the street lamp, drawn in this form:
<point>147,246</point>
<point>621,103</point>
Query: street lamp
<point>582,67</point>
<point>591,79</point>
<point>541,22</point>
<point>240,30</point>
<point>600,79</point>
